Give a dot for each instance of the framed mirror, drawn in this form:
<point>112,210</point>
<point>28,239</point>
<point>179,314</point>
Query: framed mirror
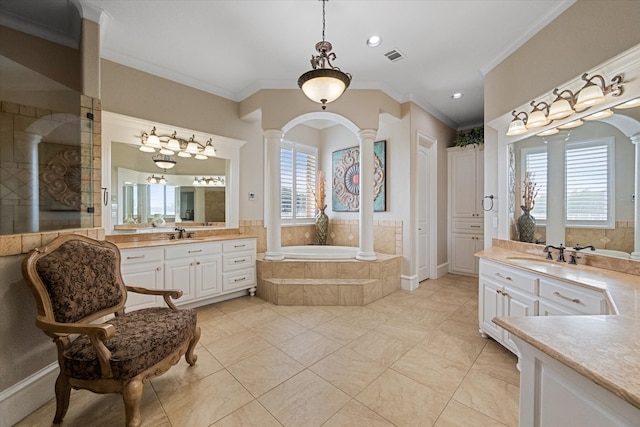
<point>146,196</point>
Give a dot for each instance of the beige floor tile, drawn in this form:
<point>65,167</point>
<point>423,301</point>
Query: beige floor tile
<point>252,414</point>
<point>498,362</point>
<point>403,401</point>
<point>311,317</point>
<point>381,347</point>
<point>308,347</point>
<point>458,415</point>
<point>492,397</point>
<point>254,316</point>
<point>290,401</point>
<point>436,372</point>
<point>204,402</point>
<point>452,347</point>
<point>182,373</point>
<point>217,328</point>
<point>340,330</point>
<point>263,371</point>
<point>208,312</point>
<point>462,330</point>
<point>279,330</point>
<point>422,316</point>
<point>406,331</point>
<point>229,350</point>
<point>355,414</point>
<point>286,310</point>
<point>364,317</point>
<point>348,370</point>
<point>237,304</point>
<point>98,410</point>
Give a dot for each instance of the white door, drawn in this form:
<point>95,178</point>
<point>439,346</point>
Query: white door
<point>424,257</point>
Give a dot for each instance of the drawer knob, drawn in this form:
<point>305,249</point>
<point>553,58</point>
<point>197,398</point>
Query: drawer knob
<point>559,295</point>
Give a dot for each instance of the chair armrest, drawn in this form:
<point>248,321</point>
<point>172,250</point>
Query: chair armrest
<point>167,294</point>
<point>96,333</point>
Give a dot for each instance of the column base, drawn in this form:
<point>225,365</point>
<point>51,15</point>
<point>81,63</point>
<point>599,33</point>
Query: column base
<point>273,256</point>
<point>366,256</point>
<point>635,255</point>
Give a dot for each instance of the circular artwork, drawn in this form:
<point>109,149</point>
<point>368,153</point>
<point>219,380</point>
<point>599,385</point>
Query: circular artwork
<point>346,179</point>
<point>61,178</point>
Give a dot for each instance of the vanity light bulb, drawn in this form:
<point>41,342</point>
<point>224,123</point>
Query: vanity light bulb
<point>166,152</point>
<point>201,157</point>
<point>147,149</point>
<point>183,154</point>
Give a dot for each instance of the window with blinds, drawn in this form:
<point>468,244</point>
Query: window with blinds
<point>589,183</point>
<point>298,170</point>
<point>162,199</point>
<point>534,161</point>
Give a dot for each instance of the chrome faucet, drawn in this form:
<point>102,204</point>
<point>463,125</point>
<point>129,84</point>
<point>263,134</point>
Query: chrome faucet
<point>560,249</point>
<point>180,231</point>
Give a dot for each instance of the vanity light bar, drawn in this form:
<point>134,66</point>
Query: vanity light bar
<point>566,103</point>
<point>212,181</point>
<point>171,144</point>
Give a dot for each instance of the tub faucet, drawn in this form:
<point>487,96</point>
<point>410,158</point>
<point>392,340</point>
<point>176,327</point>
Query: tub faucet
<point>560,249</point>
<point>180,231</point>
<point>577,247</point>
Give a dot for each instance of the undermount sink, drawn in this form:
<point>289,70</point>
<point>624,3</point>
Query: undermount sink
<point>536,262</point>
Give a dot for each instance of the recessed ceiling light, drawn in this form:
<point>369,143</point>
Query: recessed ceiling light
<point>457,95</point>
<point>374,41</point>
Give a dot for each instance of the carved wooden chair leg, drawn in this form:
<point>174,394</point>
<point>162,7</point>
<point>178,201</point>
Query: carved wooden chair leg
<point>132,396</point>
<point>189,356</point>
<point>63,393</point>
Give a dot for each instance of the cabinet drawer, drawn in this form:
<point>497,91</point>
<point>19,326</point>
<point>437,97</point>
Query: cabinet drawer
<point>467,226</point>
<point>191,250</point>
<point>238,260</point>
<point>509,276</point>
<point>239,245</point>
<point>238,279</point>
<point>584,301</point>
<point>143,255</point>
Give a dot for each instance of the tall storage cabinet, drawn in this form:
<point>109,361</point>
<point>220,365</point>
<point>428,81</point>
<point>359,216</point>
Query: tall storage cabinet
<point>466,215</point>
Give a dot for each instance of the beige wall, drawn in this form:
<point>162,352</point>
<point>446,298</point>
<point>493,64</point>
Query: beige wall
<point>585,35</point>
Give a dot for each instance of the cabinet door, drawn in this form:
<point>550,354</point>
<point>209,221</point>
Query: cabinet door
<point>479,177</point>
<point>546,308</point>
<point>463,248</point>
<point>146,275</point>
<point>180,274</point>
<point>517,304</point>
<point>462,178</point>
<point>208,276</point>
<point>490,306</point>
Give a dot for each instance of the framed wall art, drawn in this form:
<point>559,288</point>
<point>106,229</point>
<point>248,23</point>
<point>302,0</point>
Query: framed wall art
<point>346,178</point>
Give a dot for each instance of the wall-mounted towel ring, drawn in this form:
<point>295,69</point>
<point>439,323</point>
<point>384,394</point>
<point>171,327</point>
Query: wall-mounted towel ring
<point>490,197</point>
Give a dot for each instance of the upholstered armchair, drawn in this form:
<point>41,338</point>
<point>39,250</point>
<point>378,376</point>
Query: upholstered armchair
<point>81,298</point>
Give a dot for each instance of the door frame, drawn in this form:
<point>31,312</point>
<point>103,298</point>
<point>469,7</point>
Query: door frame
<point>430,145</point>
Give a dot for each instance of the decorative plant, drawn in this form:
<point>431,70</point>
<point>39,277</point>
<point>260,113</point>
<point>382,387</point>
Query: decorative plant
<point>319,194</point>
<point>529,192</point>
<point>471,136</point>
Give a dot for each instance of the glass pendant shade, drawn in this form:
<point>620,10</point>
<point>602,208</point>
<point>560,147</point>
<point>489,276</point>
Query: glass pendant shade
<point>201,157</point>
<point>560,109</point>
<point>324,85</point>
<point>173,144</point>
<point>153,140</point>
<point>183,154</point>
<point>537,119</point>
<point>599,115</point>
<point>589,96</point>
<point>164,162</point>
<point>195,181</point>
<point>192,147</point>
<point>548,132</point>
<point>572,124</point>
<point>147,149</point>
<point>629,104</point>
<point>516,127</point>
<point>166,151</point>
<point>209,150</point>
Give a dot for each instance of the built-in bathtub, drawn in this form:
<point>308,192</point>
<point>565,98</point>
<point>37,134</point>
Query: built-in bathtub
<point>319,252</point>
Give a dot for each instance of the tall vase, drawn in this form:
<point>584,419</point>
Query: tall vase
<point>526,226</point>
<point>322,226</point>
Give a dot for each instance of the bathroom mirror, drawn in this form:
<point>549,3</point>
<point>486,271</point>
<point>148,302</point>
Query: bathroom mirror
<point>202,193</point>
<point>550,158</point>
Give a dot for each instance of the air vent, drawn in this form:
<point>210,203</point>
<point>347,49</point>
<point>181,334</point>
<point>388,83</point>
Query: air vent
<point>394,55</point>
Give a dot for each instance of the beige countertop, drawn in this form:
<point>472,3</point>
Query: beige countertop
<point>140,243</point>
<point>605,349</point>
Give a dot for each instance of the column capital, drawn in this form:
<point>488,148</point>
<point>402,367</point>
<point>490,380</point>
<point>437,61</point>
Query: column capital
<point>635,139</point>
<point>24,136</point>
<point>272,134</point>
<point>367,134</point>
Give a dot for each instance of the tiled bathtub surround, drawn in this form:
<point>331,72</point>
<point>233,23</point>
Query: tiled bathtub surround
<point>387,234</point>
<point>324,282</point>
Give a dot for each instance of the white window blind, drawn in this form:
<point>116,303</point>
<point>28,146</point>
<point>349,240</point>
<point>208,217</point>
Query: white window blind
<point>589,183</point>
<point>298,169</point>
<point>162,199</point>
<point>535,162</point>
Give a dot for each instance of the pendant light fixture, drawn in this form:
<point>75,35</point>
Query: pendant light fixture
<point>324,83</point>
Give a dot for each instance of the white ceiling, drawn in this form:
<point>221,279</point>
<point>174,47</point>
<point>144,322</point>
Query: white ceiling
<point>233,48</point>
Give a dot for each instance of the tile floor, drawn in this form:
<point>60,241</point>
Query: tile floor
<point>409,359</point>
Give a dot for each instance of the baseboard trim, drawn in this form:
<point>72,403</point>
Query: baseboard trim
<point>24,397</point>
<point>442,269</point>
<point>409,283</point>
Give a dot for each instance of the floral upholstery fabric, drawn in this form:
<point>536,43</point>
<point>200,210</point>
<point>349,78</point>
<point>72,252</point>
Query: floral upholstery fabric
<point>142,339</point>
<point>80,279</point>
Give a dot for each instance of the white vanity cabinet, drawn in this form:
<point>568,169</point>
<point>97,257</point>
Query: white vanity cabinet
<point>503,292</point>
<point>564,299</point>
<point>195,269</point>
<point>238,264</point>
<point>142,268</point>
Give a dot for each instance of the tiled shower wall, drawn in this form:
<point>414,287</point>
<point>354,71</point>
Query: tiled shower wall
<point>387,234</point>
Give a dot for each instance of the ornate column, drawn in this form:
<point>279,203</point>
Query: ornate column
<point>273,141</point>
<point>365,252</point>
<point>27,214</point>
<point>635,140</point>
